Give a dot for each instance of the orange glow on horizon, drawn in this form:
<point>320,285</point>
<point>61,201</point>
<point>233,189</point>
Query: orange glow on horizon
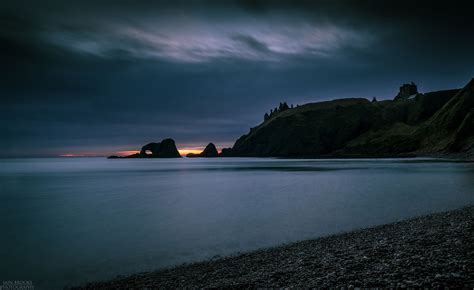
<point>127,152</point>
<point>182,151</point>
<point>186,151</point>
<point>80,155</point>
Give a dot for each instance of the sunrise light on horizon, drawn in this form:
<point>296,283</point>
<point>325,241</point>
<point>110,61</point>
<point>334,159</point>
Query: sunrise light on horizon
<point>183,151</point>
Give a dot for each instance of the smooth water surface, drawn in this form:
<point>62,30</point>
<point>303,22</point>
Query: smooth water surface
<point>66,221</point>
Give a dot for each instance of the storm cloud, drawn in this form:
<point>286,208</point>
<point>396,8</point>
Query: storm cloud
<point>105,76</point>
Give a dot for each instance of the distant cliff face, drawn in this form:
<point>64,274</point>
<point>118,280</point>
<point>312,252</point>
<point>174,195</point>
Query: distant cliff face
<point>452,128</point>
<point>312,129</point>
<point>436,122</point>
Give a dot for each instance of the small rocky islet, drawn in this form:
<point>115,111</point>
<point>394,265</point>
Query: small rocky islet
<point>209,151</point>
<point>164,149</point>
<point>433,251</point>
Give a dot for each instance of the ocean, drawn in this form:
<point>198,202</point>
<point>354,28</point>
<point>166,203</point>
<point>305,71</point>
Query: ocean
<point>67,221</point>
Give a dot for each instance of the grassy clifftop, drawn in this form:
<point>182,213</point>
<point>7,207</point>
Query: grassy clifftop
<point>432,123</point>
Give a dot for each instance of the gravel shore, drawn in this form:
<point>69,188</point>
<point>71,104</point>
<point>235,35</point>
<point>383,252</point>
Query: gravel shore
<point>429,251</point>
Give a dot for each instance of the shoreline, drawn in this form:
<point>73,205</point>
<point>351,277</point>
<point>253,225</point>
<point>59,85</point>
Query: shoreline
<point>435,250</point>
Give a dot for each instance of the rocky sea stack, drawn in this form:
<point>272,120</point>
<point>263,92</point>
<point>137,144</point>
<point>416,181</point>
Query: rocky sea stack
<point>164,149</point>
<point>209,151</point>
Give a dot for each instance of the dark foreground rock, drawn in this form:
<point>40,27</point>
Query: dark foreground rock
<point>431,251</point>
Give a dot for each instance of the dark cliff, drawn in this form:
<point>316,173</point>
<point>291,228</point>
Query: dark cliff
<point>425,124</point>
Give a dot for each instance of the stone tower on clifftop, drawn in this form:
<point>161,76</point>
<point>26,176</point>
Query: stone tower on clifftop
<point>406,91</point>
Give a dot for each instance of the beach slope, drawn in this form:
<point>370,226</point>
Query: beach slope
<point>431,251</point>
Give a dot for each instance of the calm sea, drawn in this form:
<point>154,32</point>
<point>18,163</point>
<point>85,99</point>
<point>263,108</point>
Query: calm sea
<point>65,221</point>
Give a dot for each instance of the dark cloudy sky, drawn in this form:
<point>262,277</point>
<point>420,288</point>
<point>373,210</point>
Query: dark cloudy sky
<point>105,76</point>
